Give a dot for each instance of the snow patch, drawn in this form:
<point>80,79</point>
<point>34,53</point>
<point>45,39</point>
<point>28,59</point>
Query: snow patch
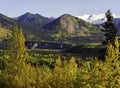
<point>96,19</point>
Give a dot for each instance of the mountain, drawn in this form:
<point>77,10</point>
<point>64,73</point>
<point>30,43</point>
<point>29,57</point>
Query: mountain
<point>28,28</point>
<point>97,19</point>
<point>65,23</point>
<point>32,24</point>
<point>94,19</point>
<point>33,19</point>
<point>68,27</point>
<point>100,19</point>
<point>64,29</point>
<point>68,23</point>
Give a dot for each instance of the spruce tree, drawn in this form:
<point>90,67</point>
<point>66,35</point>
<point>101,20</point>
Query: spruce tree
<point>110,29</point>
<point>111,38</point>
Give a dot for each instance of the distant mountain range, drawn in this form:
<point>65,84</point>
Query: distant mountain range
<point>64,29</point>
<point>100,19</point>
<point>97,19</point>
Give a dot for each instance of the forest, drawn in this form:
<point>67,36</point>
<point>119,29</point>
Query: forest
<point>23,68</point>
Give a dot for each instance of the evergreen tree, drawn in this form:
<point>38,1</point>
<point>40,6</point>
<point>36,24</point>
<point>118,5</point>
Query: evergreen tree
<point>111,37</point>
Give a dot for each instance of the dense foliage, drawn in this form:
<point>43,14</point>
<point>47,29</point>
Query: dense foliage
<point>65,74</point>
<point>17,72</point>
<point>3,33</point>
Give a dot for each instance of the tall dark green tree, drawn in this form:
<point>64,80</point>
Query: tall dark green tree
<point>111,37</point>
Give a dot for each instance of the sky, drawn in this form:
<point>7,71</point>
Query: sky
<point>56,8</point>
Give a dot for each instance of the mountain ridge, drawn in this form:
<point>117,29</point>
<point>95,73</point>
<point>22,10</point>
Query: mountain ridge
<point>66,28</point>
<point>73,28</point>
<point>33,18</point>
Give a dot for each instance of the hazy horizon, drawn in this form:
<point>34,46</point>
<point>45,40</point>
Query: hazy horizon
<point>56,8</point>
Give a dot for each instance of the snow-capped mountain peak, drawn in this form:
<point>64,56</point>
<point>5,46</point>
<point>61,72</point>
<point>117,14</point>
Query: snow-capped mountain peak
<point>96,19</point>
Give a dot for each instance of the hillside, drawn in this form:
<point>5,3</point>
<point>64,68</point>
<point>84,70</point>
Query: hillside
<point>73,29</point>
<point>29,29</point>
<point>6,21</point>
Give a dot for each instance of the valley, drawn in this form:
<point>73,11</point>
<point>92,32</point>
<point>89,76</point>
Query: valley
<point>59,44</point>
<point>63,52</point>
